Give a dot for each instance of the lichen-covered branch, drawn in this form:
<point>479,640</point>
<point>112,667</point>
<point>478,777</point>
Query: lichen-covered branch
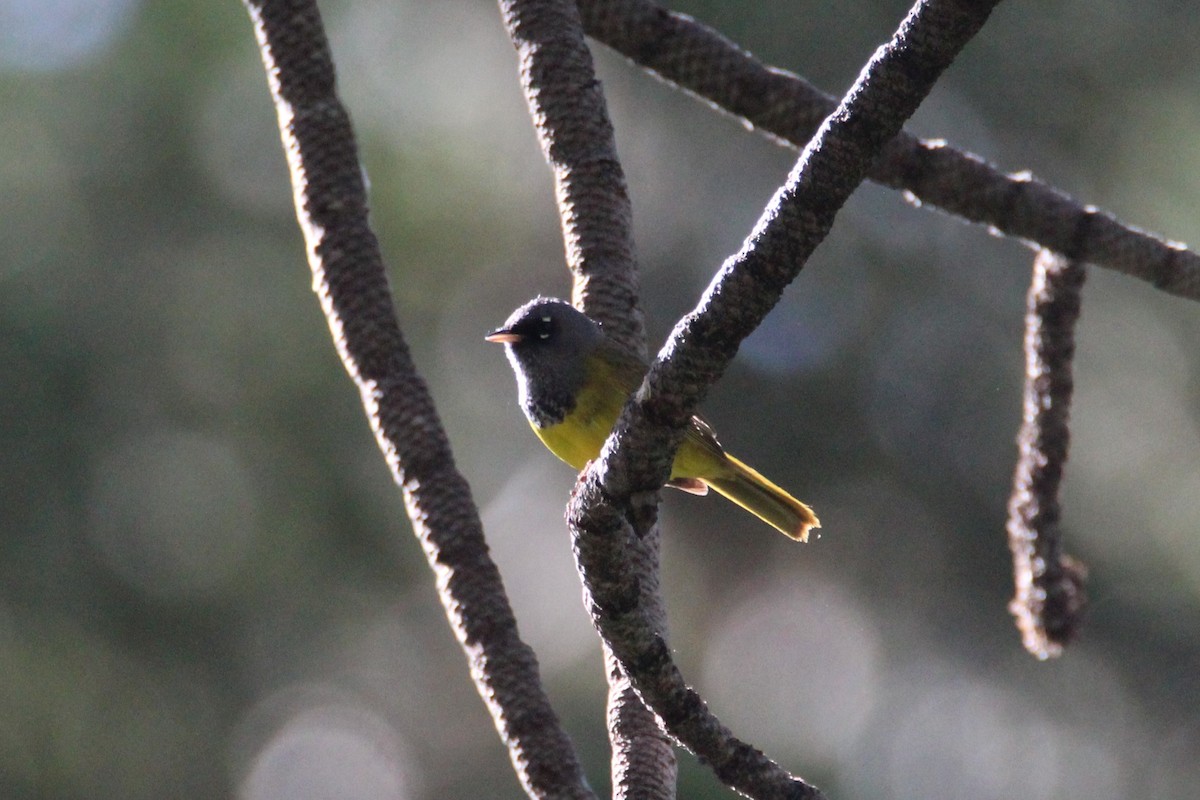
<point>701,61</point>
<point>567,105</point>
<point>616,499</point>
<point>1050,598</point>
<point>350,281</point>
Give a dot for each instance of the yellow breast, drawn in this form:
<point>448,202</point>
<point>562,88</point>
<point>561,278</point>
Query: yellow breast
<point>579,437</point>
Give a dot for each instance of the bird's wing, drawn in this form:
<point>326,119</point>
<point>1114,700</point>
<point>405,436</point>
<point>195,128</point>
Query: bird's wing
<point>628,370</point>
<point>624,368</point>
<point>700,430</point>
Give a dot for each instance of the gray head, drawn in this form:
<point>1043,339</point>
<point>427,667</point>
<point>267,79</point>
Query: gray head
<point>547,343</point>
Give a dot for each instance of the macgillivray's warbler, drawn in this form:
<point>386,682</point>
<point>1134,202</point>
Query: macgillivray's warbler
<point>573,381</point>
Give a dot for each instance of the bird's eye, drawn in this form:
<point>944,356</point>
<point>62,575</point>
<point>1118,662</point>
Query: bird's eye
<point>545,329</point>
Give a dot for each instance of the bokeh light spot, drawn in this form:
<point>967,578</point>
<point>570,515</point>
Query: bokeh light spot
<point>40,35</point>
<point>962,737</point>
<point>533,549</point>
<point>237,141</point>
<point>796,666</point>
<point>332,751</point>
<point>172,513</point>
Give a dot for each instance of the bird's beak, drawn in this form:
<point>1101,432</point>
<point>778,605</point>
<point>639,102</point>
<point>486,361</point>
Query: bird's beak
<point>503,336</point>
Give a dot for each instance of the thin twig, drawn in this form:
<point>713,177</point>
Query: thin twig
<point>617,497</point>
<point>701,61</point>
<point>1050,598</point>
<point>350,281</point>
<point>567,105</point>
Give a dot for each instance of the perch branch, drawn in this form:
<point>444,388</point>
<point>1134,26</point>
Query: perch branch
<point>566,102</point>
<point>349,279</point>
<point>617,499</point>
<point>1050,598</point>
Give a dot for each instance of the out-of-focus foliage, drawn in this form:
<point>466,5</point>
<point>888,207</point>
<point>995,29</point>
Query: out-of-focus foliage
<point>207,586</point>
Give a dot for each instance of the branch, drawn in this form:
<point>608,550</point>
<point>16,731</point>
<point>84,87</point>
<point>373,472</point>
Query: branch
<point>349,278</point>
<point>1050,599</point>
<point>567,105</point>
<point>701,61</point>
<point>616,498</point>
<point>644,766</point>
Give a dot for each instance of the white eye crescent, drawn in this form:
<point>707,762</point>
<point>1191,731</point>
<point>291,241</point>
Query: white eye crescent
<point>544,335</point>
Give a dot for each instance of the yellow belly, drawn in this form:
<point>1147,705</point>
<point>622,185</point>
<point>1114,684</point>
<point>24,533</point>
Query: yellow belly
<point>579,437</point>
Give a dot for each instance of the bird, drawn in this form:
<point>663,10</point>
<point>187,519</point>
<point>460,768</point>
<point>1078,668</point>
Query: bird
<point>572,382</point>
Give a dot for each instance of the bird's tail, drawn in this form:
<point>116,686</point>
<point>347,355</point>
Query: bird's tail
<point>765,500</point>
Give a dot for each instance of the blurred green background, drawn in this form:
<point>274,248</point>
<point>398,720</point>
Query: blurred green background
<point>207,584</point>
